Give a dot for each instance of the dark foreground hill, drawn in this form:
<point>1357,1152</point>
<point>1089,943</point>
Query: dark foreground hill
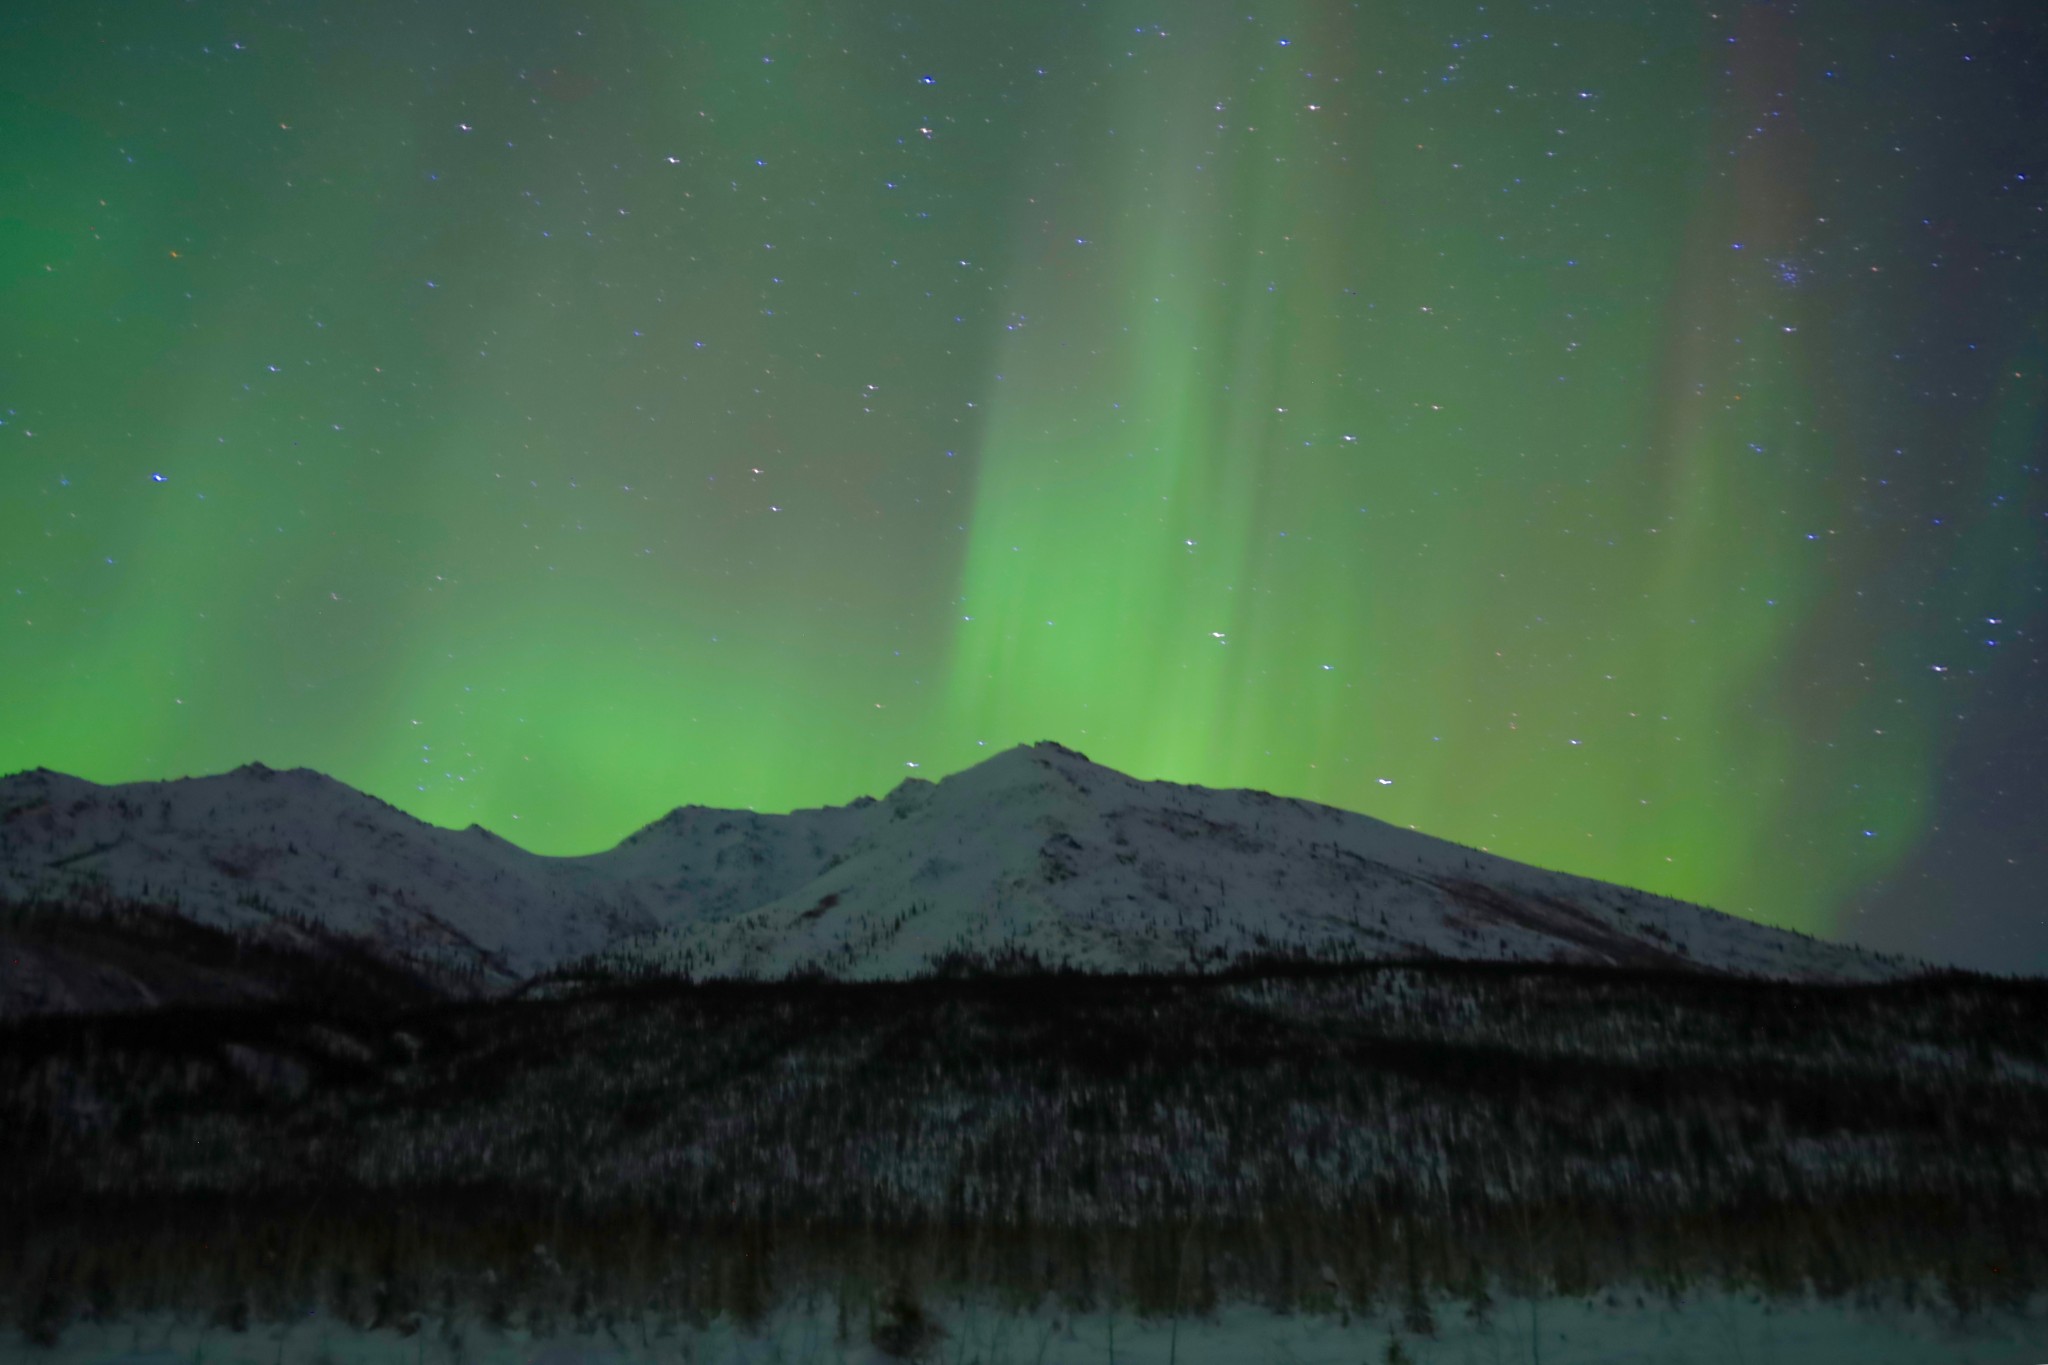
<point>1354,1136</point>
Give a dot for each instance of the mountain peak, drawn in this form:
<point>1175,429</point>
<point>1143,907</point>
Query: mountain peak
<point>1054,747</point>
<point>1043,754</point>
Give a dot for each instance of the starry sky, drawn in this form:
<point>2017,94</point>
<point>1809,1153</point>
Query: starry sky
<point>1608,433</point>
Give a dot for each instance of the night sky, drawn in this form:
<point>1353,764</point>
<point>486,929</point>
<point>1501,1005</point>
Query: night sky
<point>1607,433</point>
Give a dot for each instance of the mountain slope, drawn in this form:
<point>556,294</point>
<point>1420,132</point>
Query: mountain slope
<point>1036,852</point>
<point>1040,852</point>
<point>257,848</point>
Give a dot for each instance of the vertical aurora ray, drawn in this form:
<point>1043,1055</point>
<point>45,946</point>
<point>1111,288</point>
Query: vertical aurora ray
<point>1295,516</point>
<point>1136,440</point>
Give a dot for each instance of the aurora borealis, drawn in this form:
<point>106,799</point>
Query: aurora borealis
<point>1610,434</point>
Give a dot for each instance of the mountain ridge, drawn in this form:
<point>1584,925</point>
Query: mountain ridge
<point>1034,854</point>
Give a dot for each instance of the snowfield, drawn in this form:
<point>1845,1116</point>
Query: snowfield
<point>1708,1328</point>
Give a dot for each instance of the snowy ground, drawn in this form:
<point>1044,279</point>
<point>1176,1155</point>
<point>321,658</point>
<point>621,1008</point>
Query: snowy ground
<point>1703,1330</point>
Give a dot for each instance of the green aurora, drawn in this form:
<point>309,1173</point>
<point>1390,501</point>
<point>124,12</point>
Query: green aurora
<point>1550,427</point>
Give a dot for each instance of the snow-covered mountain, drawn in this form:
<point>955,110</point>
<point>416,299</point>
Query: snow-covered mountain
<point>1036,852</point>
<point>257,846</point>
<point>1040,852</point>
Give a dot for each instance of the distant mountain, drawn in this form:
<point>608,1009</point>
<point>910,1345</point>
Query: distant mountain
<point>1036,855</point>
